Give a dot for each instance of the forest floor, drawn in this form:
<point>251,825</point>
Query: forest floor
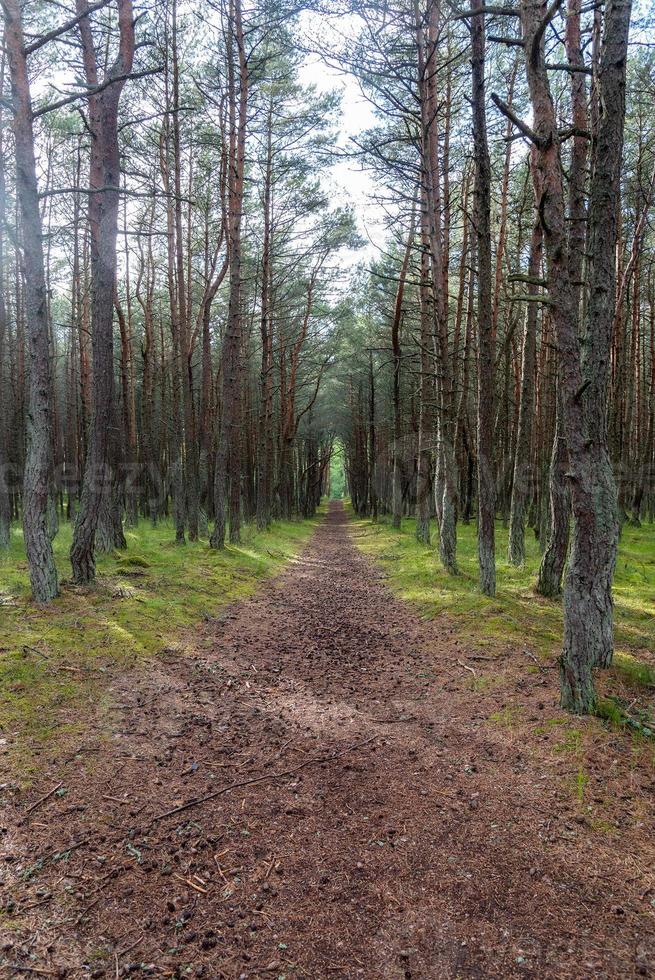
<point>322,783</point>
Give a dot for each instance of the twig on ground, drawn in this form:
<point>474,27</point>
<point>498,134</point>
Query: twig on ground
<point>259,779</point>
<point>52,792</point>
<point>29,649</point>
<point>187,881</point>
<point>34,969</point>
<point>532,657</point>
<point>470,669</point>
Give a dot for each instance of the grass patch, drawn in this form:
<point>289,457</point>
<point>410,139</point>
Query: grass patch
<point>52,658</point>
<point>517,615</point>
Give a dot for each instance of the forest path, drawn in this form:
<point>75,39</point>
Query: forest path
<point>406,836</point>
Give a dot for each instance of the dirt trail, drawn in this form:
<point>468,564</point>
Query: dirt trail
<point>427,842</point>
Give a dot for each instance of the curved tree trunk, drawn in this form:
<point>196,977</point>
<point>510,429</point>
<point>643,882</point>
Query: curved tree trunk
<point>551,569</point>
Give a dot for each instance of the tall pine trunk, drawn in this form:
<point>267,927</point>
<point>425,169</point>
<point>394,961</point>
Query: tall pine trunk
<point>486,340</point>
<point>104,182</point>
<point>39,453</point>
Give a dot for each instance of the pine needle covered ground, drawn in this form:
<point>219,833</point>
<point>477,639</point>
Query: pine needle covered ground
<point>57,661</point>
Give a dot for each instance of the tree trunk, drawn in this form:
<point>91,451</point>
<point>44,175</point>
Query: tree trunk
<point>551,569</point>
<point>522,455</point>
<point>104,182</point>
<point>228,459</point>
<point>486,342</point>
<point>397,492</point>
<point>427,43</point>
<point>39,457</point>
<point>5,500</point>
<point>587,594</point>
<point>601,249</point>
<point>426,389</point>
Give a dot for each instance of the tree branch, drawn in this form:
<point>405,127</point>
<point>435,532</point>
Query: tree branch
<point>67,26</point>
<point>513,118</point>
<point>93,91</point>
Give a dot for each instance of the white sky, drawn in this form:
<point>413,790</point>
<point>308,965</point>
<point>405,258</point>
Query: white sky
<point>351,185</point>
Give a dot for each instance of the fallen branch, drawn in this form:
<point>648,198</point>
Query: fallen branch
<point>259,779</point>
<point>532,657</point>
<point>43,799</point>
<point>470,669</point>
<point>187,881</point>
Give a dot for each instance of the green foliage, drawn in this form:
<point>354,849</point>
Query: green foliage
<point>337,473</point>
<point>52,660</point>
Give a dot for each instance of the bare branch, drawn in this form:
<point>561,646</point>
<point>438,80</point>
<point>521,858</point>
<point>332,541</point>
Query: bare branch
<point>93,91</point>
<point>513,118</point>
<point>63,29</point>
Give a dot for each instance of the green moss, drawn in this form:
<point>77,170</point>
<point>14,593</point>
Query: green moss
<point>620,714</point>
<point>53,659</point>
<point>517,615</point>
<point>507,717</point>
<point>609,710</point>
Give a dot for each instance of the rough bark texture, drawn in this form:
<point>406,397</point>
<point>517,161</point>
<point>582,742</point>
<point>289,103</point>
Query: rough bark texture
<point>427,45</point>
<point>5,500</point>
<point>266,448</point>
<point>227,488</point>
<point>486,340</point>
<point>104,180</point>
<point>587,594</point>
<point>607,154</point>
<point>551,569</point>
<point>397,477</point>
<point>426,391</point>
<point>39,455</point>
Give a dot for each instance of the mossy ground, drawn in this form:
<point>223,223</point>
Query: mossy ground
<point>517,615</point>
<point>52,659</point>
<point>518,620</point>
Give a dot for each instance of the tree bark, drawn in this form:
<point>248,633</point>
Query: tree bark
<point>228,459</point>
<point>5,500</point>
<point>427,43</point>
<point>522,456</point>
<point>587,594</point>
<point>486,341</point>
<point>426,388</point>
<point>607,155</point>
<point>39,455</point>
<point>104,183</point>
